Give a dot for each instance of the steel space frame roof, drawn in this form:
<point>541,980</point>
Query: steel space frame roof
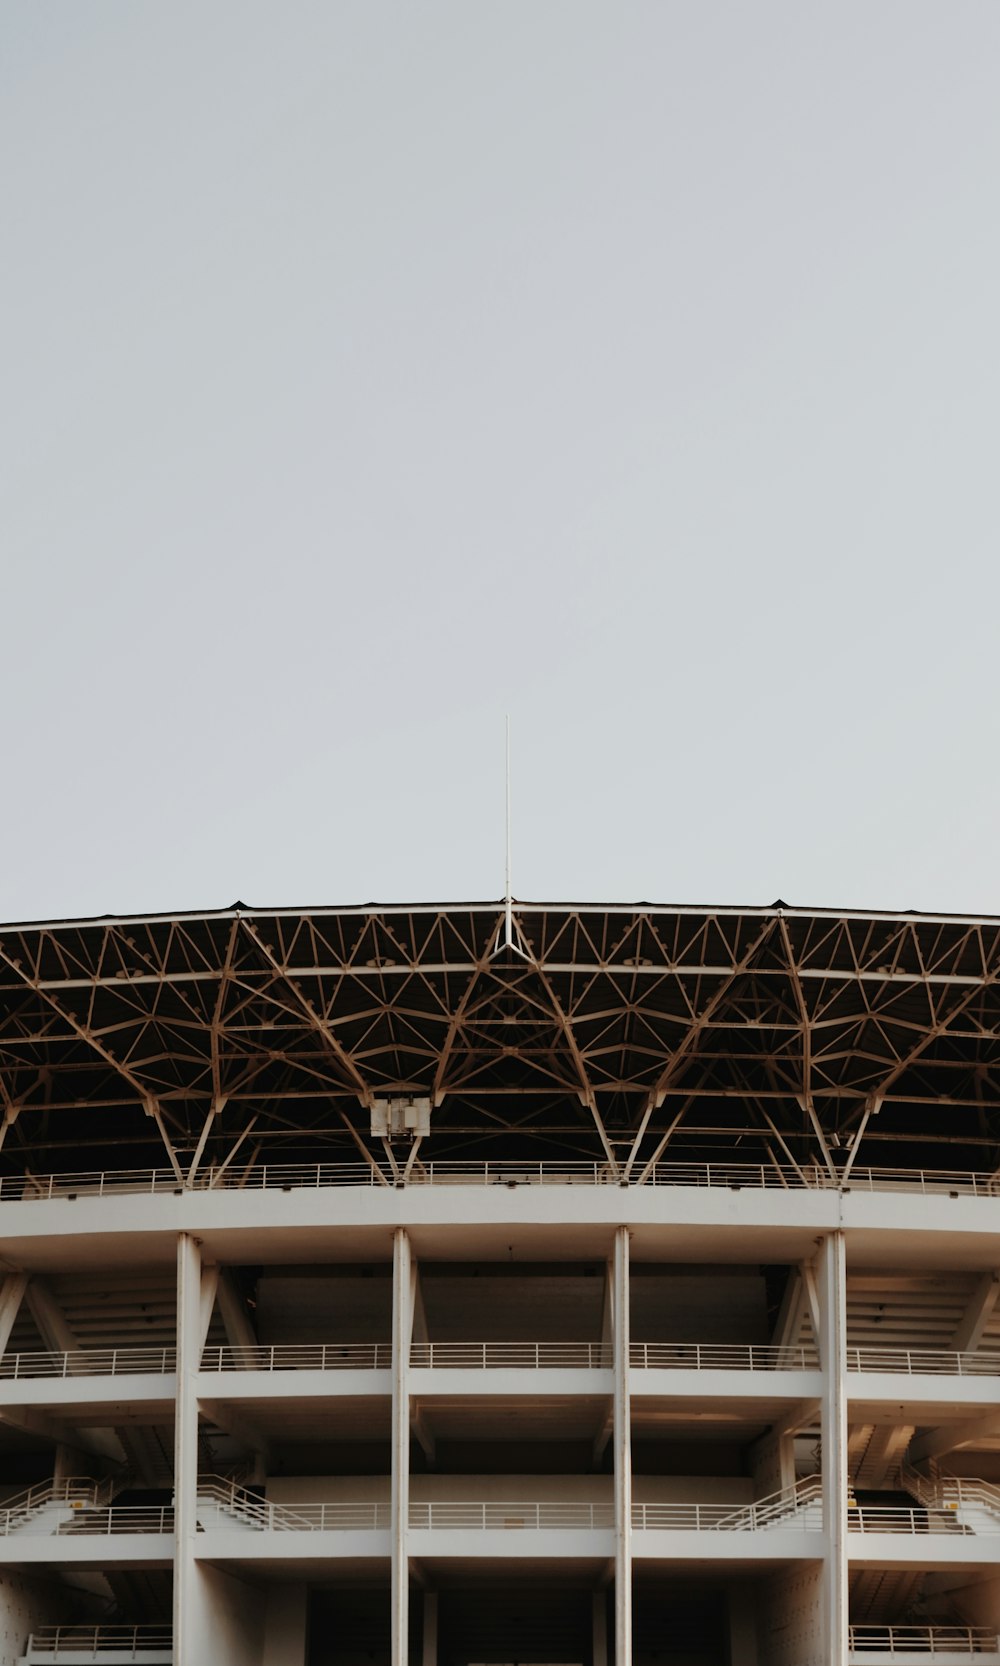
<point>549,1031</point>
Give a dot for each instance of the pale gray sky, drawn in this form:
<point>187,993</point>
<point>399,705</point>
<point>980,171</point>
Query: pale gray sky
<point>369,370</point>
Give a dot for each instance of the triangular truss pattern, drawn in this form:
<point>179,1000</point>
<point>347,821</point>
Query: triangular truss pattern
<point>611,1033</point>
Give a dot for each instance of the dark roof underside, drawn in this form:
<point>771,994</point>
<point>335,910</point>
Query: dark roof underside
<point>583,1032</point>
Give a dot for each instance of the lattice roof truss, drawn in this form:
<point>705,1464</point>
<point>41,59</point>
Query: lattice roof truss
<point>605,1033</point>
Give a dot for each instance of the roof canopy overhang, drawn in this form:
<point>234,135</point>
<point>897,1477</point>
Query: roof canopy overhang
<point>556,1032</point>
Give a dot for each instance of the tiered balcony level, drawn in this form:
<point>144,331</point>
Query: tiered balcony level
<point>234,1529</point>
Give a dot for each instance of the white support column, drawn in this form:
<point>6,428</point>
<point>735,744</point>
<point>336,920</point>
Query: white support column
<point>831,1287</point>
<point>402,1333</point>
<point>623,1456</point>
<point>56,1333</point>
<point>430,1628</point>
<point>235,1318</point>
<point>420,1331</point>
<point>188,1645</point>
<point>11,1295</point>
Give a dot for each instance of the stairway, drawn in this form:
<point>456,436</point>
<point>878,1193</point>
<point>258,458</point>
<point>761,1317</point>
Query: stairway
<point>142,1591</point>
<point>883,1596</point>
<point>962,1502</point>
<point>53,1504</point>
<point>149,1457</point>
<point>877,1462</point>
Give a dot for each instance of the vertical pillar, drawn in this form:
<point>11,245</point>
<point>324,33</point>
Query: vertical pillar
<point>599,1622</point>
<point>188,1646</point>
<point>430,1628</point>
<point>831,1291</point>
<point>402,1332</point>
<point>64,1466</point>
<point>623,1456</point>
<point>12,1290</point>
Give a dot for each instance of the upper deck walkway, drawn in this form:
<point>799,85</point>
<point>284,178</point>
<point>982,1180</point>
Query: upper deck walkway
<point>285,1177</point>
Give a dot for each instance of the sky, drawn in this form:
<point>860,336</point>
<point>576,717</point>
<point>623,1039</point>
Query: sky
<point>371,371</point>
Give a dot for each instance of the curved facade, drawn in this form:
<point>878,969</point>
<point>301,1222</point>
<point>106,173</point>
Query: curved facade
<point>484,1284</point>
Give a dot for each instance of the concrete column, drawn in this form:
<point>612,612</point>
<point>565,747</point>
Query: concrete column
<point>430,1628</point>
<point>67,1462</point>
<point>188,1645</point>
<point>831,1286</point>
<point>599,1607</point>
<point>623,1456</point>
<point>772,1459</point>
<point>12,1290</point>
<point>402,1332</point>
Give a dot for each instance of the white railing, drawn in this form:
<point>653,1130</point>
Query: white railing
<point>120,1518</point>
<point>900,1518</point>
<point>800,1506</point>
<point>89,1362</point>
<point>935,1362</point>
<point>719,1356</point>
<point>319,1356</point>
<point>955,1493</point>
<point>471,1356</point>
<point>504,1356</point>
<point>246,1509</point>
<point>929,1640</point>
<point>127,1641</point>
<point>71,1493</point>
<point>295,1176</point>
<point>531,1516</point>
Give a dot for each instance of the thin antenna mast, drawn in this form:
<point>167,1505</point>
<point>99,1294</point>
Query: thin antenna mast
<point>508,901</point>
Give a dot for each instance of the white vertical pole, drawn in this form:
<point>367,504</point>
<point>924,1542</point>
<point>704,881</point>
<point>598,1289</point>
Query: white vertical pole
<point>623,1456</point>
<point>832,1282</point>
<point>189,1648</point>
<point>402,1332</point>
<point>508,899</point>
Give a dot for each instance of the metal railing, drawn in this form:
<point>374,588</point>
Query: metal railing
<point>247,1510</point>
<point>72,1492</point>
<point>89,1362</point>
<point>319,1356</point>
<point>952,1493</point>
<point>126,1641</point>
<point>119,1518</point>
<point>900,1518</point>
<point>800,1506</point>
<point>533,1517</point>
<point>935,1362</point>
<point>295,1176</point>
<point>478,1356</point>
<point>501,1356</point>
<point>719,1356</point>
<point>929,1640</point>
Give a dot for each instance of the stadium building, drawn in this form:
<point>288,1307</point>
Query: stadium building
<point>471,1285</point>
